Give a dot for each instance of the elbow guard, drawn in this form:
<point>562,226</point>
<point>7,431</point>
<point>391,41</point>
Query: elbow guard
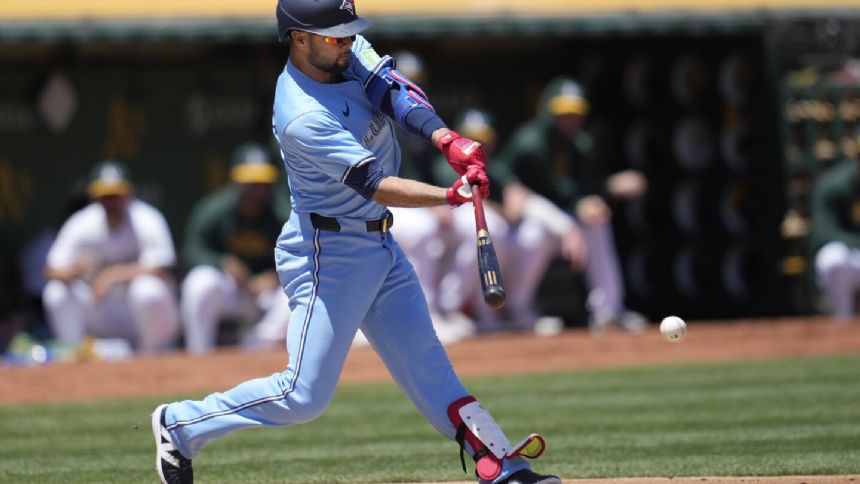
<point>393,93</point>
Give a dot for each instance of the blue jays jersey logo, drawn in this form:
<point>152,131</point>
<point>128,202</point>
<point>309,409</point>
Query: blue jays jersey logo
<point>349,6</point>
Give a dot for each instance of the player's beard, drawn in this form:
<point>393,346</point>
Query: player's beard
<point>336,66</point>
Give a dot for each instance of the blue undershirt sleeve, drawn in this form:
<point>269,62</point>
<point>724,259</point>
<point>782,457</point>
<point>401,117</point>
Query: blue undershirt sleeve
<point>365,178</point>
<point>420,122</point>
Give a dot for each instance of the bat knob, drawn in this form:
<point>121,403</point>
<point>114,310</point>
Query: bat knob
<point>495,297</point>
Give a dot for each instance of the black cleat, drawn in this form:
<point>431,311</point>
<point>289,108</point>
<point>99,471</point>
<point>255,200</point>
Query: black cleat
<point>171,466</point>
<point>527,476</point>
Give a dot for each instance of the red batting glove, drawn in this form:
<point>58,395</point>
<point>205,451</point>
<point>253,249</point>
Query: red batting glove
<point>461,191</point>
<point>461,153</point>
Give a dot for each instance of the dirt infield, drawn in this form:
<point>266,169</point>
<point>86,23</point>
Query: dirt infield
<point>576,349</point>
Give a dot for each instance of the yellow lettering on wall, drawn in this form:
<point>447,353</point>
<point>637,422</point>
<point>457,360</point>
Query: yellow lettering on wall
<point>126,124</point>
<point>216,173</point>
<point>15,190</point>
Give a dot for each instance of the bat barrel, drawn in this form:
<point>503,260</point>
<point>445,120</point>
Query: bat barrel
<point>488,264</point>
<point>490,272</point>
<point>495,297</point>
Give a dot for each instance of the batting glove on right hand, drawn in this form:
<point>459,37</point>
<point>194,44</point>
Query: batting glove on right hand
<point>461,191</point>
<point>461,153</point>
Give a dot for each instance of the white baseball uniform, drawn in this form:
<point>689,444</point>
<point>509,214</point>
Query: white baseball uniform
<point>144,311</point>
<point>837,267</point>
<point>209,293</point>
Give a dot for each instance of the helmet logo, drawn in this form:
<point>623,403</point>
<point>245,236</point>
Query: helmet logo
<point>349,6</point>
<point>110,174</point>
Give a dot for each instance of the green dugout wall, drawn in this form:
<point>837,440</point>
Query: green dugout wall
<point>690,99</point>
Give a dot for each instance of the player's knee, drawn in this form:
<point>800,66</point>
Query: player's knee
<point>533,236</point>
<point>832,259</point>
<point>55,294</point>
<point>202,280</point>
<point>149,290</point>
<point>298,410</point>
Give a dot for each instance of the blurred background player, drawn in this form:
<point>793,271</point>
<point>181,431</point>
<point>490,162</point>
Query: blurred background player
<point>522,238</point>
<point>426,234</point>
<point>229,247</point>
<point>108,270</point>
<point>460,286</point>
<point>548,155</point>
<point>836,236</point>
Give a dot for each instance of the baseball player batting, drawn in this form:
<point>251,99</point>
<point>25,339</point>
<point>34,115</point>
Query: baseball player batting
<point>339,265</point>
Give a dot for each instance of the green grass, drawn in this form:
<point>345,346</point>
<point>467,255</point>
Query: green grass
<point>787,417</point>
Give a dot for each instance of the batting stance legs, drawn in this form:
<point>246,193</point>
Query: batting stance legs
<point>385,299</point>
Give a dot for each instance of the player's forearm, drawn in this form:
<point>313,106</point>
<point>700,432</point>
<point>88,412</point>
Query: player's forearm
<point>547,214</point>
<point>126,272</point>
<point>64,275</point>
<point>400,192</point>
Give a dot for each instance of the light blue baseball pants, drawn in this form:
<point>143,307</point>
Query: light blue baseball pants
<point>337,282</point>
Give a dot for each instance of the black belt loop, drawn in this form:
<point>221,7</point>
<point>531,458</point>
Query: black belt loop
<point>382,225</point>
<point>331,224</point>
<point>322,222</point>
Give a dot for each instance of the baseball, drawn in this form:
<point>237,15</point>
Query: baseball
<point>673,329</point>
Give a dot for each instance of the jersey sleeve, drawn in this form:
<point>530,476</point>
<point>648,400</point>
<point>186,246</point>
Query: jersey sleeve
<point>64,251</point>
<point>319,140</point>
<point>156,243</point>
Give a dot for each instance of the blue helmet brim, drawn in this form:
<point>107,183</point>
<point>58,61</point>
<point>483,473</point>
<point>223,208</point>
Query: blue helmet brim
<point>356,26</point>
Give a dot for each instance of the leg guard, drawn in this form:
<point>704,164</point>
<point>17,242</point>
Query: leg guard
<point>476,426</point>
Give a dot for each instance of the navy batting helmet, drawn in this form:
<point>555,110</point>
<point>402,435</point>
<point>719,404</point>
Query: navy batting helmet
<point>332,18</point>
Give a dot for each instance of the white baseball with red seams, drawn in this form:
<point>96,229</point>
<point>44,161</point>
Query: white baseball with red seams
<point>673,329</point>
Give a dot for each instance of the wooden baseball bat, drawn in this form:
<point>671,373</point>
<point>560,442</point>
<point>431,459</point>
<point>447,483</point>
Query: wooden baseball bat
<point>488,263</point>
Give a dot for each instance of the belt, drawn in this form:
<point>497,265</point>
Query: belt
<point>331,224</point>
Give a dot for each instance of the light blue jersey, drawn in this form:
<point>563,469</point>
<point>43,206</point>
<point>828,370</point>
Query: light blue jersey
<point>325,130</point>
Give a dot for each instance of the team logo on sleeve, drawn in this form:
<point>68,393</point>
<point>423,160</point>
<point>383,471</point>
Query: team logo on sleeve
<point>349,6</point>
<point>371,57</point>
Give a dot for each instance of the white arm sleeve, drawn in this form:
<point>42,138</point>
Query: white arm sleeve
<point>548,214</point>
<point>156,244</point>
<point>64,251</point>
<point>68,247</point>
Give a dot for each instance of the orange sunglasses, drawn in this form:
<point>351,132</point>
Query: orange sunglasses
<point>338,40</point>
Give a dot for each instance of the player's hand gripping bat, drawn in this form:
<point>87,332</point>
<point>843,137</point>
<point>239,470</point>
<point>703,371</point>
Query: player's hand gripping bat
<point>488,263</point>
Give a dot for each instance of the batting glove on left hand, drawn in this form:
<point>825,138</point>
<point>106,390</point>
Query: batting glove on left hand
<point>461,191</point>
<point>462,153</point>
